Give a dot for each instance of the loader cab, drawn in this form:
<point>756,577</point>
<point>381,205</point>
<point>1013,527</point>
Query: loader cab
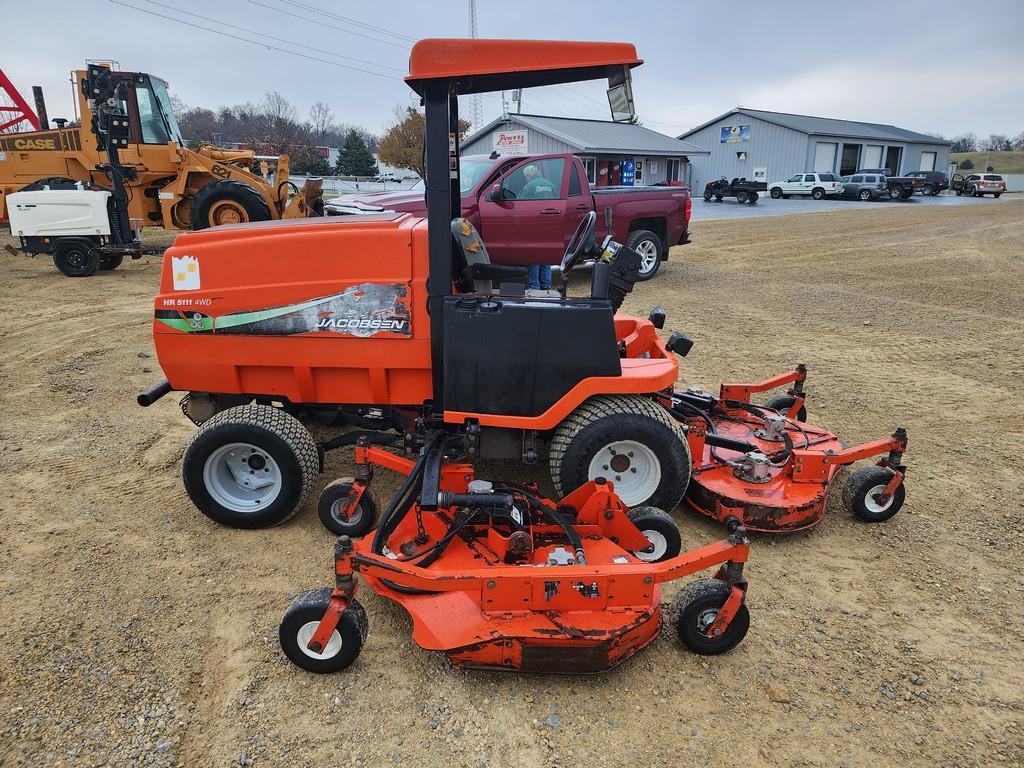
<point>148,106</point>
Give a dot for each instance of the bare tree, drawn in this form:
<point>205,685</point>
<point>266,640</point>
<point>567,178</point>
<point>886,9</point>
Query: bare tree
<point>965,142</point>
<point>321,120</point>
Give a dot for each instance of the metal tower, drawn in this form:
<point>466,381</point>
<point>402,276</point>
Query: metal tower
<point>476,104</point>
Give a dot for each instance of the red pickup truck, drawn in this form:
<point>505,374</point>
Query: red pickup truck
<point>526,207</point>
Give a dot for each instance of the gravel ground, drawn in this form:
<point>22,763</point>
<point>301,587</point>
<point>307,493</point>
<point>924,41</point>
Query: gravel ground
<point>136,632</point>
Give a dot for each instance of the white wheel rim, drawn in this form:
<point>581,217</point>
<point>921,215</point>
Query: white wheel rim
<point>648,255</point>
<point>305,634</point>
<point>872,505</point>
<point>660,547</point>
<point>632,466</point>
<point>242,477</point>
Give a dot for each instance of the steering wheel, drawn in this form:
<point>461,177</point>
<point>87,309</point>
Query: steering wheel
<point>581,243</point>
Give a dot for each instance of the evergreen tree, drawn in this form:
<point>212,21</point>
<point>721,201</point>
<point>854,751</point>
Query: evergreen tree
<point>355,158</point>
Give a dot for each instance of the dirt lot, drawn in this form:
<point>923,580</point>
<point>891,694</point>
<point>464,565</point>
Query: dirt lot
<point>136,632</point>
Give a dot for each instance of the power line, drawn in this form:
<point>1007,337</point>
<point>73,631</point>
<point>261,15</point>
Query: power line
<point>279,39</point>
<point>251,42</point>
<point>319,23</point>
<point>349,20</point>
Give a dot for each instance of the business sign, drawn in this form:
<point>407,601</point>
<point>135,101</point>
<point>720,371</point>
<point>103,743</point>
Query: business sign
<point>511,142</point>
<point>734,134</point>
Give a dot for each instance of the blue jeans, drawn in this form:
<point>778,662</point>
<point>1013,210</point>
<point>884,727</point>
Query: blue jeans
<point>538,277</point>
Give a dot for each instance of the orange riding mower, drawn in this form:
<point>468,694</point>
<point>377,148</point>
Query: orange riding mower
<point>763,465</point>
<point>498,577</point>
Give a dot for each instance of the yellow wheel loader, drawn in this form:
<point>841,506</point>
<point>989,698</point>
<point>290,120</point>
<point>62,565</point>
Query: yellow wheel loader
<point>173,186</point>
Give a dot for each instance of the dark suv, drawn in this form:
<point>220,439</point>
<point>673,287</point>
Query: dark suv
<point>932,182</point>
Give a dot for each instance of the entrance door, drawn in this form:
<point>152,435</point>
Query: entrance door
<point>872,156</point>
<point>526,225</point>
<point>825,156</point>
<point>893,156</point>
<point>851,156</point>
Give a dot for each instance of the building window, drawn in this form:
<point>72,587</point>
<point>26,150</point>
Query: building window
<point>672,173</point>
<point>590,164</point>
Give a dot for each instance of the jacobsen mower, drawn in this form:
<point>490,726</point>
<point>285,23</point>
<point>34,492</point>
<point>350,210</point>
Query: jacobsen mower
<point>390,324</point>
<point>499,577</point>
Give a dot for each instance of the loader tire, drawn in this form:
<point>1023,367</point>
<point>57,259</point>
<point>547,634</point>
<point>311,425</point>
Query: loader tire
<point>227,202</point>
<point>250,466</point>
<point>627,439</point>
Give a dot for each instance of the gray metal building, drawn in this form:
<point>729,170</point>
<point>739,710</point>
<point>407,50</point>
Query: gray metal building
<point>771,146</point>
<point>604,147</point>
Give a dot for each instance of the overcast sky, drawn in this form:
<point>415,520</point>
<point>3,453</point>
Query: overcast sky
<point>948,67</point>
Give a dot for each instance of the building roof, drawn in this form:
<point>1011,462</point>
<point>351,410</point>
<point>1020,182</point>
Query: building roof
<point>827,126</point>
<point>598,136</point>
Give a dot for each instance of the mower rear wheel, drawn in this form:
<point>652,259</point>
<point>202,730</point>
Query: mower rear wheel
<point>860,494</point>
<point>660,529</point>
<point>300,622</point>
<point>695,609</point>
<point>331,507</point>
<point>627,439</point>
<point>782,404</point>
<point>250,466</point>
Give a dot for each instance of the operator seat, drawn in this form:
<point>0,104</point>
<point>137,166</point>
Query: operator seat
<point>474,272</point>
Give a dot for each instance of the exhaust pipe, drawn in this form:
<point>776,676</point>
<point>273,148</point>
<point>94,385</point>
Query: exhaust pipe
<point>151,394</point>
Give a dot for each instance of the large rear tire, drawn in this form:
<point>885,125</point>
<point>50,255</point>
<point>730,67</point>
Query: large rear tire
<point>250,466</point>
<point>227,202</point>
<point>627,439</point>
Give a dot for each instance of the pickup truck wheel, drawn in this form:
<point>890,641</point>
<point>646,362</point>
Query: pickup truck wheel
<point>753,197</point>
<point>818,193</point>
<point>649,246</point>
<point>742,196</point>
<point>776,193</point>
<point>908,193</point>
<point>865,194</point>
<point>895,193</point>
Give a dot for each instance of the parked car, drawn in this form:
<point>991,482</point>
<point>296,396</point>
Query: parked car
<point>526,207</point>
<point>900,187</point>
<point>744,191</point>
<point>388,177</point>
<point>979,184</point>
<point>865,186</point>
<point>817,185</point>
<point>932,182</point>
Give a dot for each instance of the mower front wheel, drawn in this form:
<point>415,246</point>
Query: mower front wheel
<point>300,623</point>
<point>695,609</point>
<point>627,439</point>
<point>782,404</point>
<point>250,466</point>
<point>861,492</point>
<point>331,509</point>
<point>660,529</point>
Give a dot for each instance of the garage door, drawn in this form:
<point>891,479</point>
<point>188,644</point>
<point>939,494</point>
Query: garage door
<point>872,156</point>
<point>927,161</point>
<point>825,156</point>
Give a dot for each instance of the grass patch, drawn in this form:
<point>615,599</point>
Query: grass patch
<point>1001,162</point>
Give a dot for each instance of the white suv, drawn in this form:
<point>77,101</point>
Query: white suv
<point>817,185</point>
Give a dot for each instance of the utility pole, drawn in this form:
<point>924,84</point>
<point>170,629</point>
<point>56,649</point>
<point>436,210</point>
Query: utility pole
<point>476,108</point>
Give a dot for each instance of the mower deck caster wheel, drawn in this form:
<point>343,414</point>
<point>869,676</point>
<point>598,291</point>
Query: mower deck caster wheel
<point>860,494</point>
<point>331,509</point>
<point>782,404</point>
<point>250,466</point>
<point>300,622</point>
<point>695,609</point>
<point>660,529</point>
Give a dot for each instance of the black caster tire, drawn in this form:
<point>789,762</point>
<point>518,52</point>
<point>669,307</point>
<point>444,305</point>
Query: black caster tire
<point>250,466</point>
<point>661,530</point>
<point>694,609</point>
<point>75,257</point>
<point>782,404</point>
<point>332,501</point>
<point>863,486</point>
<point>300,622</point>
